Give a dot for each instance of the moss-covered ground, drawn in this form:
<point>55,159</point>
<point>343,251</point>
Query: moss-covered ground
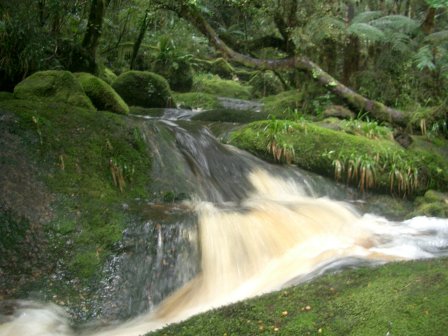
<point>406,298</point>
<point>196,100</point>
<point>93,163</point>
<point>375,164</point>
<point>213,84</point>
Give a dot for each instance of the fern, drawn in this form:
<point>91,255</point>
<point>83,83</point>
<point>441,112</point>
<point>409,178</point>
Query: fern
<point>424,58</point>
<point>366,17</point>
<point>366,32</point>
<point>399,41</point>
<point>437,37</point>
<point>395,23</point>
<point>325,27</point>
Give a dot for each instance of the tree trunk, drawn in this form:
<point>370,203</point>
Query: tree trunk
<point>428,25</point>
<point>93,33</point>
<point>138,42</point>
<point>376,109</point>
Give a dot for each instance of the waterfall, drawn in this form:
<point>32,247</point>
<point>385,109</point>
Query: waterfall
<point>259,227</point>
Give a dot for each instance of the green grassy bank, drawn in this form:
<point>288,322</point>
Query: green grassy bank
<point>400,299</point>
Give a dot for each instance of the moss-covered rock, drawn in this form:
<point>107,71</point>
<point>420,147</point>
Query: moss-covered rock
<point>196,100</point>
<point>102,95</point>
<point>222,68</point>
<point>179,73</point>
<point>338,111</point>
<point>6,95</point>
<point>144,111</point>
<point>108,75</point>
<point>433,203</point>
<point>144,88</point>
<point>378,164</point>
<point>265,83</point>
<point>284,103</point>
<point>80,166</point>
<point>221,87</point>
<point>229,115</point>
<point>53,85</point>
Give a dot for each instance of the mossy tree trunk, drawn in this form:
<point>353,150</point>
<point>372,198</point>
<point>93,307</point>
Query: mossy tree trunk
<point>94,26</point>
<point>376,109</point>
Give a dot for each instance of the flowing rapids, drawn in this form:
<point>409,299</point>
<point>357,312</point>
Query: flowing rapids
<point>277,235</point>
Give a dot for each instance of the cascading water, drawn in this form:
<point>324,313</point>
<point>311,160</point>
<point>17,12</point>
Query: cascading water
<point>259,227</point>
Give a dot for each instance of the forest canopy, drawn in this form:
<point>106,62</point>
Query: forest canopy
<point>381,57</point>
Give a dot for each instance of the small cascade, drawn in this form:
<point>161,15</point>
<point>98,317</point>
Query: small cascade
<point>244,227</point>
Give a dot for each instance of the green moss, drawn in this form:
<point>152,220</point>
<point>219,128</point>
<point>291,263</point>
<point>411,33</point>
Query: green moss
<point>221,87</point>
<point>102,95</point>
<point>368,164</point>
<point>152,112</point>
<point>222,68</point>
<point>229,115</point>
<point>284,103</point>
<point>143,88</point>
<point>265,83</point>
<point>92,162</point>
<point>6,95</point>
<point>108,75</point>
<point>396,299</point>
<point>54,86</point>
<point>433,203</point>
<point>178,73</point>
<point>196,100</point>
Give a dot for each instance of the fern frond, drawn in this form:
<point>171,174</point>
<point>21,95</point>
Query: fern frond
<point>395,23</point>
<point>399,41</point>
<point>366,32</point>
<point>437,37</point>
<point>366,17</point>
<point>424,58</point>
<point>325,27</point>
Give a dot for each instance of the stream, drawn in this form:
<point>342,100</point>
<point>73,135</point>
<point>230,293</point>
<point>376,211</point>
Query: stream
<point>231,227</point>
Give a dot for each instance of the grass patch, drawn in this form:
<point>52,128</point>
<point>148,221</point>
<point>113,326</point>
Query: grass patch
<point>403,298</point>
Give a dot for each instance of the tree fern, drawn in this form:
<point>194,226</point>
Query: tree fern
<point>366,32</point>
<point>424,58</point>
<point>366,17</point>
<point>325,27</point>
<point>437,37</point>
<point>395,23</point>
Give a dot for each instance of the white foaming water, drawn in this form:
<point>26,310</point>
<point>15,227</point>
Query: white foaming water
<point>275,236</point>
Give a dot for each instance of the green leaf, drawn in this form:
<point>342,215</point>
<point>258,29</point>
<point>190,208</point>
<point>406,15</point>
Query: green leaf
<point>366,32</point>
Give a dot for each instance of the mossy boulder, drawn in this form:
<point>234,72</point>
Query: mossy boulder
<point>6,95</point>
<point>215,85</point>
<point>107,75</point>
<point>102,95</point>
<point>284,103</point>
<point>265,83</point>
<point>196,100</point>
<point>179,73</point>
<point>338,111</point>
<point>376,164</point>
<point>144,88</point>
<point>222,68</point>
<point>433,203</point>
<point>53,85</point>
